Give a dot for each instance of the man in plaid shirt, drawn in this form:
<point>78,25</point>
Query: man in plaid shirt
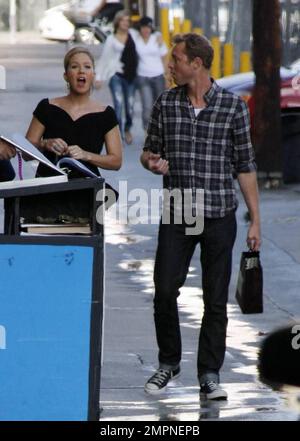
<point>198,134</point>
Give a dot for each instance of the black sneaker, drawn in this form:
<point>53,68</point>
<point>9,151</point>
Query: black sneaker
<point>212,391</point>
<point>158,382</point>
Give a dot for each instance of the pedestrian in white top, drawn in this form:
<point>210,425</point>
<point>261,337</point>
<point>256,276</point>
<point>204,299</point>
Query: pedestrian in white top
<point>152,65</point>
<point>117,65</point>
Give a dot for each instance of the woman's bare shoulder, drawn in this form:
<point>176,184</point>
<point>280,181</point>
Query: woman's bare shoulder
<point>57,101</point>
<point>96,106</point>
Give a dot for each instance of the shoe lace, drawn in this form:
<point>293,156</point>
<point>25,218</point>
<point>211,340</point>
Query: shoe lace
<point>160,376</point>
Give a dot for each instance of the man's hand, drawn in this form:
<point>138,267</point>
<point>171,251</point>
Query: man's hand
<point>254,237</point>
<point>157,165</point>
<point>6,150</point>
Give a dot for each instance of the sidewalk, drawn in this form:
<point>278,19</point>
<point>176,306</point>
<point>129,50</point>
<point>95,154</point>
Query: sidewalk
<point>23,37</point>
<point>130,349</point>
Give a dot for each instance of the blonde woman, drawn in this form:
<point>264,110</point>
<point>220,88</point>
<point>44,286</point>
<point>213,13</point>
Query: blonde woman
<point>75,125</point>
<point>117,65</point>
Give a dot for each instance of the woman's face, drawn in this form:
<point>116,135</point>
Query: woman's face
<point>80,73</point>
<point>145,32</point>
<point>124,23</point>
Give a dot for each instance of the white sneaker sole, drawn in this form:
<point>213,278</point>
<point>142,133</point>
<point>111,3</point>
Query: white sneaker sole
<point>151,391</point>
<point>218,395</point>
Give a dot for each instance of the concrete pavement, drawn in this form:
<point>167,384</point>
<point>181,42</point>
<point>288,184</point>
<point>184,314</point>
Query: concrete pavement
<point>129,345</point>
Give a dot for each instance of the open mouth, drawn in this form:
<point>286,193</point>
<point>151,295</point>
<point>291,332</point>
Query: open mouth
<point>81,80</point>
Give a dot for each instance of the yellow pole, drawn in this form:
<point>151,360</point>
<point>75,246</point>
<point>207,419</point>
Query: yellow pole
<point>228,59</point>
<point>135,18</point>
<point>245,61</point>
<point>176,25</point>
<point>216,65</point>
<point>164,25</point>
<point>186,26</point>
<point>198,31</point>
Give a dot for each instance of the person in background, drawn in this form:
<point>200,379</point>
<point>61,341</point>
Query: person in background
<point>118,64</point>
<point>75,125</point>
<point>7,152</point>
<point>152,71</point>
<point>7,172</point>
<point>107,9</point>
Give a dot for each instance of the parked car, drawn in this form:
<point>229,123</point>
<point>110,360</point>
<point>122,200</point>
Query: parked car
<point>54,25</point>
<point>243,83</point>
<point>73,21</point>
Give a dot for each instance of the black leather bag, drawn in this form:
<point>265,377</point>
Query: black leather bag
<point>249,291</point>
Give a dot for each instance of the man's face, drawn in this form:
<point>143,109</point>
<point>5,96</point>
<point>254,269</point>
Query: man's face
<point>182,70</point>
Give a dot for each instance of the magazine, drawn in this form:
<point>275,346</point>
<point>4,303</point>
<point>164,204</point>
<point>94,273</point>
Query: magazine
<point>74,164</point>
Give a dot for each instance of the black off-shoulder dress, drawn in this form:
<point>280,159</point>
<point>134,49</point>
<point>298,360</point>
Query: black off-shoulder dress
<point>87,132</point>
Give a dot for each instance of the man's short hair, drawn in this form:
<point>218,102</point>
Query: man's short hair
<point>196,46</point>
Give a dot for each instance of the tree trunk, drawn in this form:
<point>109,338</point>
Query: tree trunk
<point>266,63</point>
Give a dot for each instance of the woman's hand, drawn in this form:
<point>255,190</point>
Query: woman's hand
<point>55,145</point>
<point>77,152</point>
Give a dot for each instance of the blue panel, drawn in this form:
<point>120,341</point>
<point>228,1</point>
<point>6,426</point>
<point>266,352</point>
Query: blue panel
<point>45,307</point>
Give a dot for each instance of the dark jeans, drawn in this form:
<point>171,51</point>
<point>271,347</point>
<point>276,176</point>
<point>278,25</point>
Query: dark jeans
<point>174,253</point>
<point>123,97</point>
<point>7,172</point>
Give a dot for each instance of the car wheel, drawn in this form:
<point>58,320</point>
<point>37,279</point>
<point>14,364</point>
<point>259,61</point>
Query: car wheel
<point>85,35</point>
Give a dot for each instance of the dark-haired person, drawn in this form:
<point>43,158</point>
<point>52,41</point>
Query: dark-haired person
<point>75,125</point>
<point>197,133</point>
<point>7,152</point>
<point>152,65</point>
<point>7,172</point>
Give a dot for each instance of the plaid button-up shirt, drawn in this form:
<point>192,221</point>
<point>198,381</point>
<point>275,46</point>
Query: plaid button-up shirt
<point>203,150</point>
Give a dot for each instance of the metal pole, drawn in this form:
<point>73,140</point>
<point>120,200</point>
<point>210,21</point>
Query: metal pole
<point>12,20</point>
